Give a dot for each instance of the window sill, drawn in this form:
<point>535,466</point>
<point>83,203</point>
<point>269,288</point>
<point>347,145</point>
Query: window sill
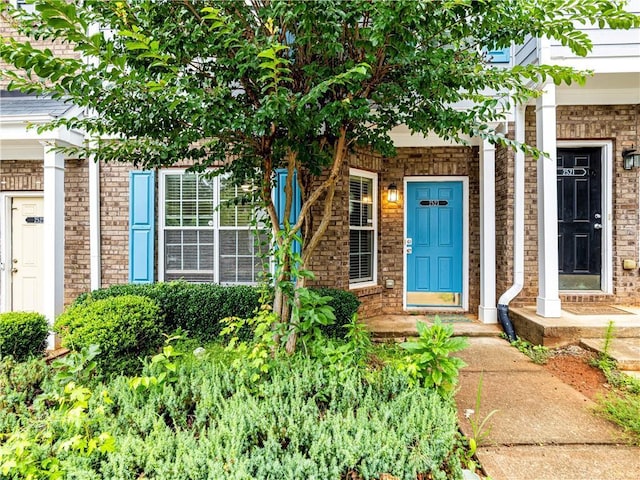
<point>364,289</point>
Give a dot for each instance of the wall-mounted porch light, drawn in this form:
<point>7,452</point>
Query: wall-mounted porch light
<point>392,193</point>
<point>630,158</point>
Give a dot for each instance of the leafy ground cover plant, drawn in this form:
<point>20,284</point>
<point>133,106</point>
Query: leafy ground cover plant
<point>429,363</point>
<point>22,334</point>
<point>212,421</point>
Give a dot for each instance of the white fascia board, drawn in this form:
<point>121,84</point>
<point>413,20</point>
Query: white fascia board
<point>22,132</point>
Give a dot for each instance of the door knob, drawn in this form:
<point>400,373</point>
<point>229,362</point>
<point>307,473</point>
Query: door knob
<point>597,226</point>
<point>14,270</point>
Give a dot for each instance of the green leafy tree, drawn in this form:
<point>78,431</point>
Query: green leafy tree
<point>254,85</point>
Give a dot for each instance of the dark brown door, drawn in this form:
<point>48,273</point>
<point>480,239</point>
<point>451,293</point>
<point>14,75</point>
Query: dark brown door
<point>579,218</point>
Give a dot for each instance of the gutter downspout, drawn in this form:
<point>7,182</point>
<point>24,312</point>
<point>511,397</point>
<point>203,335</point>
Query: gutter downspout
<point>94,224</point>
<point>518,230</point>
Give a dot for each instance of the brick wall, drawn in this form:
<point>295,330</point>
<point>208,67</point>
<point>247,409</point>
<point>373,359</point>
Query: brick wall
<point>114,223</point>
<point>436,161</point>
<point>77,264</point>
<point>331,261</point>
<point>621,125</point>
<point>504,218</point>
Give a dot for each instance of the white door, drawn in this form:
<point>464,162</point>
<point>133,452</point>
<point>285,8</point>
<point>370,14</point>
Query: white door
<point>26,253</point>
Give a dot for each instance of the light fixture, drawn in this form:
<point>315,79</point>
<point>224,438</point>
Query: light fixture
<point>392,193</point>
<point>630,158</point>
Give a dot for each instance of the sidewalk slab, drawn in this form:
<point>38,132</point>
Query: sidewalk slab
<point>625,351</point>
<point>534,408</point>
<point>561,462</point>
<point>543,428</point>
<point>494,355</point>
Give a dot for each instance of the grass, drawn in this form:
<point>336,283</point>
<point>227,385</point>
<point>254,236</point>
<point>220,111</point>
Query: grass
<point>622,405</point>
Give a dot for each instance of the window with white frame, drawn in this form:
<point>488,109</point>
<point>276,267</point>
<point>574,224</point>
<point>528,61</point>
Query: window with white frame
<point>26,6</point>
<point>363,200</point>
<point>207,231</point>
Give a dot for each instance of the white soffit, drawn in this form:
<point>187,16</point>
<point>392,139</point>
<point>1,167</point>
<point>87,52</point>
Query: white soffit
<point>602,89</point>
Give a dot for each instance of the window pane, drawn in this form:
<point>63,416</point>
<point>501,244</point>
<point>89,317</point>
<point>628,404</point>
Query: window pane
<point>245,269</point>
<point>228,242</point>
<point>190,202</point>
<point>172,187</point>
<point>189,254</point>
<point>227,269</point>
<point>233,214</point>
<point>362,204</point>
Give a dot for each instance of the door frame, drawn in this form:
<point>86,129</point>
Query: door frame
<point>6,232</point>
<point>606,197</point>
<point>465,241</point>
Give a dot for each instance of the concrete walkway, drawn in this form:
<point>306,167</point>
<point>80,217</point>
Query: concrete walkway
<point>543,429</point>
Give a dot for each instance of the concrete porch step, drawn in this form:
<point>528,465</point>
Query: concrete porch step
<point>625,351</point>
<point>571,328</point>
<point>400,327</point>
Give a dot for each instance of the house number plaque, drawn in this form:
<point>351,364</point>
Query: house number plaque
<point>434,203</point>
<point>572,172</point>
<point>34,219</point>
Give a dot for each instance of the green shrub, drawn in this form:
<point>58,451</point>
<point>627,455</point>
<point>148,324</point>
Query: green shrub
<point>22,334</point>
<point>126,328</point>
<point>344,305</point>
<point>198,308</point>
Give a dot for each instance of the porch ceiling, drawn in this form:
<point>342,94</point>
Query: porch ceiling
<point>602,89</point>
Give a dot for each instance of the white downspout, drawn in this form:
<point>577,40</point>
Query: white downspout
<point>518,213</point>
<point>94,224</point>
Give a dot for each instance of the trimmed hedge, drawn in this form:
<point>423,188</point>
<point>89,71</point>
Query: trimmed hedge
<point>344,305</point>
<point>23,334</point>
<point>198,308</point>
<point>126,328</point>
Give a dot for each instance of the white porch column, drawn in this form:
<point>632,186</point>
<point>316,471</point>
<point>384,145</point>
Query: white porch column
<point>94,224</point>
<point>53,290</point>
<point>548,302</point>
<point>487,312</point>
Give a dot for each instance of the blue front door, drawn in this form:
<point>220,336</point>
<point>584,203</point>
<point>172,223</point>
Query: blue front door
<point>434,243</point>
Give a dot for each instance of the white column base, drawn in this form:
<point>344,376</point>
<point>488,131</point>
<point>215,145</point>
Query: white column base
<point>548,307</point>
<point>488,314</point>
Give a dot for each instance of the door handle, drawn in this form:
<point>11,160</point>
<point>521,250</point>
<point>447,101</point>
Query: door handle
<point>597,226</point>
<point>14,270</point>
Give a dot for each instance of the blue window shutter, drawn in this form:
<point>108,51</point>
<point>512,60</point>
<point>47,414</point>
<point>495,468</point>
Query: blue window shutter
<point>502,55</point>
<point>141,226</point>
<point>280,199</point>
